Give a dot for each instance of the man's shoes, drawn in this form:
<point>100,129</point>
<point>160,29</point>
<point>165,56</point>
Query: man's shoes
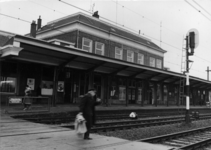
<point>87,138</point>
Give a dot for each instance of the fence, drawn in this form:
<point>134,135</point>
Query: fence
<point>38,104</point>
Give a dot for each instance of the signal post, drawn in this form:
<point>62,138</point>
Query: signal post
<point>191,42</point>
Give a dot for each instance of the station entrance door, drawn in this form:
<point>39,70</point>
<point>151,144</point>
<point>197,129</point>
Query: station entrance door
<point>132,96</point>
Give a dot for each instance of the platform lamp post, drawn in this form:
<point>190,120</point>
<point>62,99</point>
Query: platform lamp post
<point>192,43</point>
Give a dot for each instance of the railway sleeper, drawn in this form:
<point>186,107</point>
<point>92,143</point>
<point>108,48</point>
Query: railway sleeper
<point>174,144</point>
<point>186,142</point>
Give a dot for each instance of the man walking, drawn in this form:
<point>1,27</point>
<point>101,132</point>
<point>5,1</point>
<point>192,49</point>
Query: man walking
<point>86,107</point>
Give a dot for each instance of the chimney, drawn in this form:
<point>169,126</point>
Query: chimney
<point>39,23</point>
<point>96,15</point>
<point>33,29</point>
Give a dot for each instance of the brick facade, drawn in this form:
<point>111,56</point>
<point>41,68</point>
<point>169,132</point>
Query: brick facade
<point>109,46</point>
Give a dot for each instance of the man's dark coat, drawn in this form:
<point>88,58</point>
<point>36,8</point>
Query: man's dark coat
<point>87,107</point>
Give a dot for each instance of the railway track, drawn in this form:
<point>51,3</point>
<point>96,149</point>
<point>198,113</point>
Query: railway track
<point>196,139</point>
<point>122,125</point>
<point>71,115</point>
<point>72,118</point>
<point>116,125</point>
<point>67,119</point>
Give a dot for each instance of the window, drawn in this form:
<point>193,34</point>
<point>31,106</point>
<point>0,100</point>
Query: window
<point>118,53</point>
<point>99,48</point>
<point>8,84</point>
<point>130,56</point>
<point>158,63</point>
<point>152,62</point>
<point>140,59</point>
<point>87,45</point>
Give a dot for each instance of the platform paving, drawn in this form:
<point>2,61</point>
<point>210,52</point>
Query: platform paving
<point>16,134</point>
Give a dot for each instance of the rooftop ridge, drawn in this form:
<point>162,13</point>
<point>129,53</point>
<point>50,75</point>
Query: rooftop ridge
<point>102,21</point>
<point>6,33</point>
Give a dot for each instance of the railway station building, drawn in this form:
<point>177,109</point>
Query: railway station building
<point>67,56</point>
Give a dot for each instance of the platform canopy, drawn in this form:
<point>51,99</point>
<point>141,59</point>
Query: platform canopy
<point>28,49</point>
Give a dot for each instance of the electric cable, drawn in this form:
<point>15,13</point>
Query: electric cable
<point>197,10</point>
<point>108,20</point>
<point>201,7</point>
<point>15,18</point>
<point>145,17</point>
<point>47,7</point>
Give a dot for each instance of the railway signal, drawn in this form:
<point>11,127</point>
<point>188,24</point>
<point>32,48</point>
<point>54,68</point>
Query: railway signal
<point>192,41</point>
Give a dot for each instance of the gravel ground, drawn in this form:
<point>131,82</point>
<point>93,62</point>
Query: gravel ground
<point>141,133</point>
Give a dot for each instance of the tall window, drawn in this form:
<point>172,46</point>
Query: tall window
<point>130,56</point>
<point>122,93</point>
<point>87,44</point>
<point>152,62</point>
<point>158,63</point>
<point>118,53</point>
<point>140,59</point>
<point>99,48</point>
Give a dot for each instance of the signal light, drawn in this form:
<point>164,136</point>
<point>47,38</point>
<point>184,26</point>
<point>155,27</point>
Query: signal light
<point>192,42</point>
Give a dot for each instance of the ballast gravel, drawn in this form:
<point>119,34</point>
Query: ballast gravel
<point>142,133</point>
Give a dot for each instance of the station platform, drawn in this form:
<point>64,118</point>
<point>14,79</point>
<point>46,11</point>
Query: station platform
<point>19,134</point>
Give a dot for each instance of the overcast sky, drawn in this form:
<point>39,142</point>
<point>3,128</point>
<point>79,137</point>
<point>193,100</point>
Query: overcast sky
<point>159,20</point>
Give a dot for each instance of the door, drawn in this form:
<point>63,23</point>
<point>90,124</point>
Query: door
<point>132,96</point>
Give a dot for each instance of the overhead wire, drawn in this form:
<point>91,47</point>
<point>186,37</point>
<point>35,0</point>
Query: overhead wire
<point>21,9</point>
<point>145,17</point>
<point>108,20</point>
<point>66,32</point>
<point>202,7</point>
<point>27,21</point>
<point>124,26</point>
<point>152,22</point>
<point>47,7</point>
<point>15,18</point>
<point>54,29</point>
<point>198,10</point>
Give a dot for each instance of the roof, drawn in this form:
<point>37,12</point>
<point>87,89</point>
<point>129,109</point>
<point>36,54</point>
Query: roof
<point>5,38</point>
<point>100,24</point>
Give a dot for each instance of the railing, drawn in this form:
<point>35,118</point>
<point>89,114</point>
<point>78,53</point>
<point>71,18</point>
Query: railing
<point>38,103</point>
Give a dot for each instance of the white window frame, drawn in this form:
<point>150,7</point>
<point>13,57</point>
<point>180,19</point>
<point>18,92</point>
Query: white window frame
<point>118,55</point>
<point>130,58</point>
<point>140,60</point>
<point>151,62</point>
<point>159,63</point>
<point>90,45</point>
<point>101,50</point>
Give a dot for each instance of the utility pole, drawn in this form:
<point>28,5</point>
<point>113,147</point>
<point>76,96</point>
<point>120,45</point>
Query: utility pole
<point>208,72</point>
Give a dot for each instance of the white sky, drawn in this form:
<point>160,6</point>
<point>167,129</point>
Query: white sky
<point>165,20</point>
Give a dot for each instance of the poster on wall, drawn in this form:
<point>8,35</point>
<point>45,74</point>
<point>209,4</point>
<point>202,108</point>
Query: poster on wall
<point>31,82</point>
<point>47,88</point>
<point>60,86</point>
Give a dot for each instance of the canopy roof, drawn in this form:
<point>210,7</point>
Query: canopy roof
<point>39,51</point>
